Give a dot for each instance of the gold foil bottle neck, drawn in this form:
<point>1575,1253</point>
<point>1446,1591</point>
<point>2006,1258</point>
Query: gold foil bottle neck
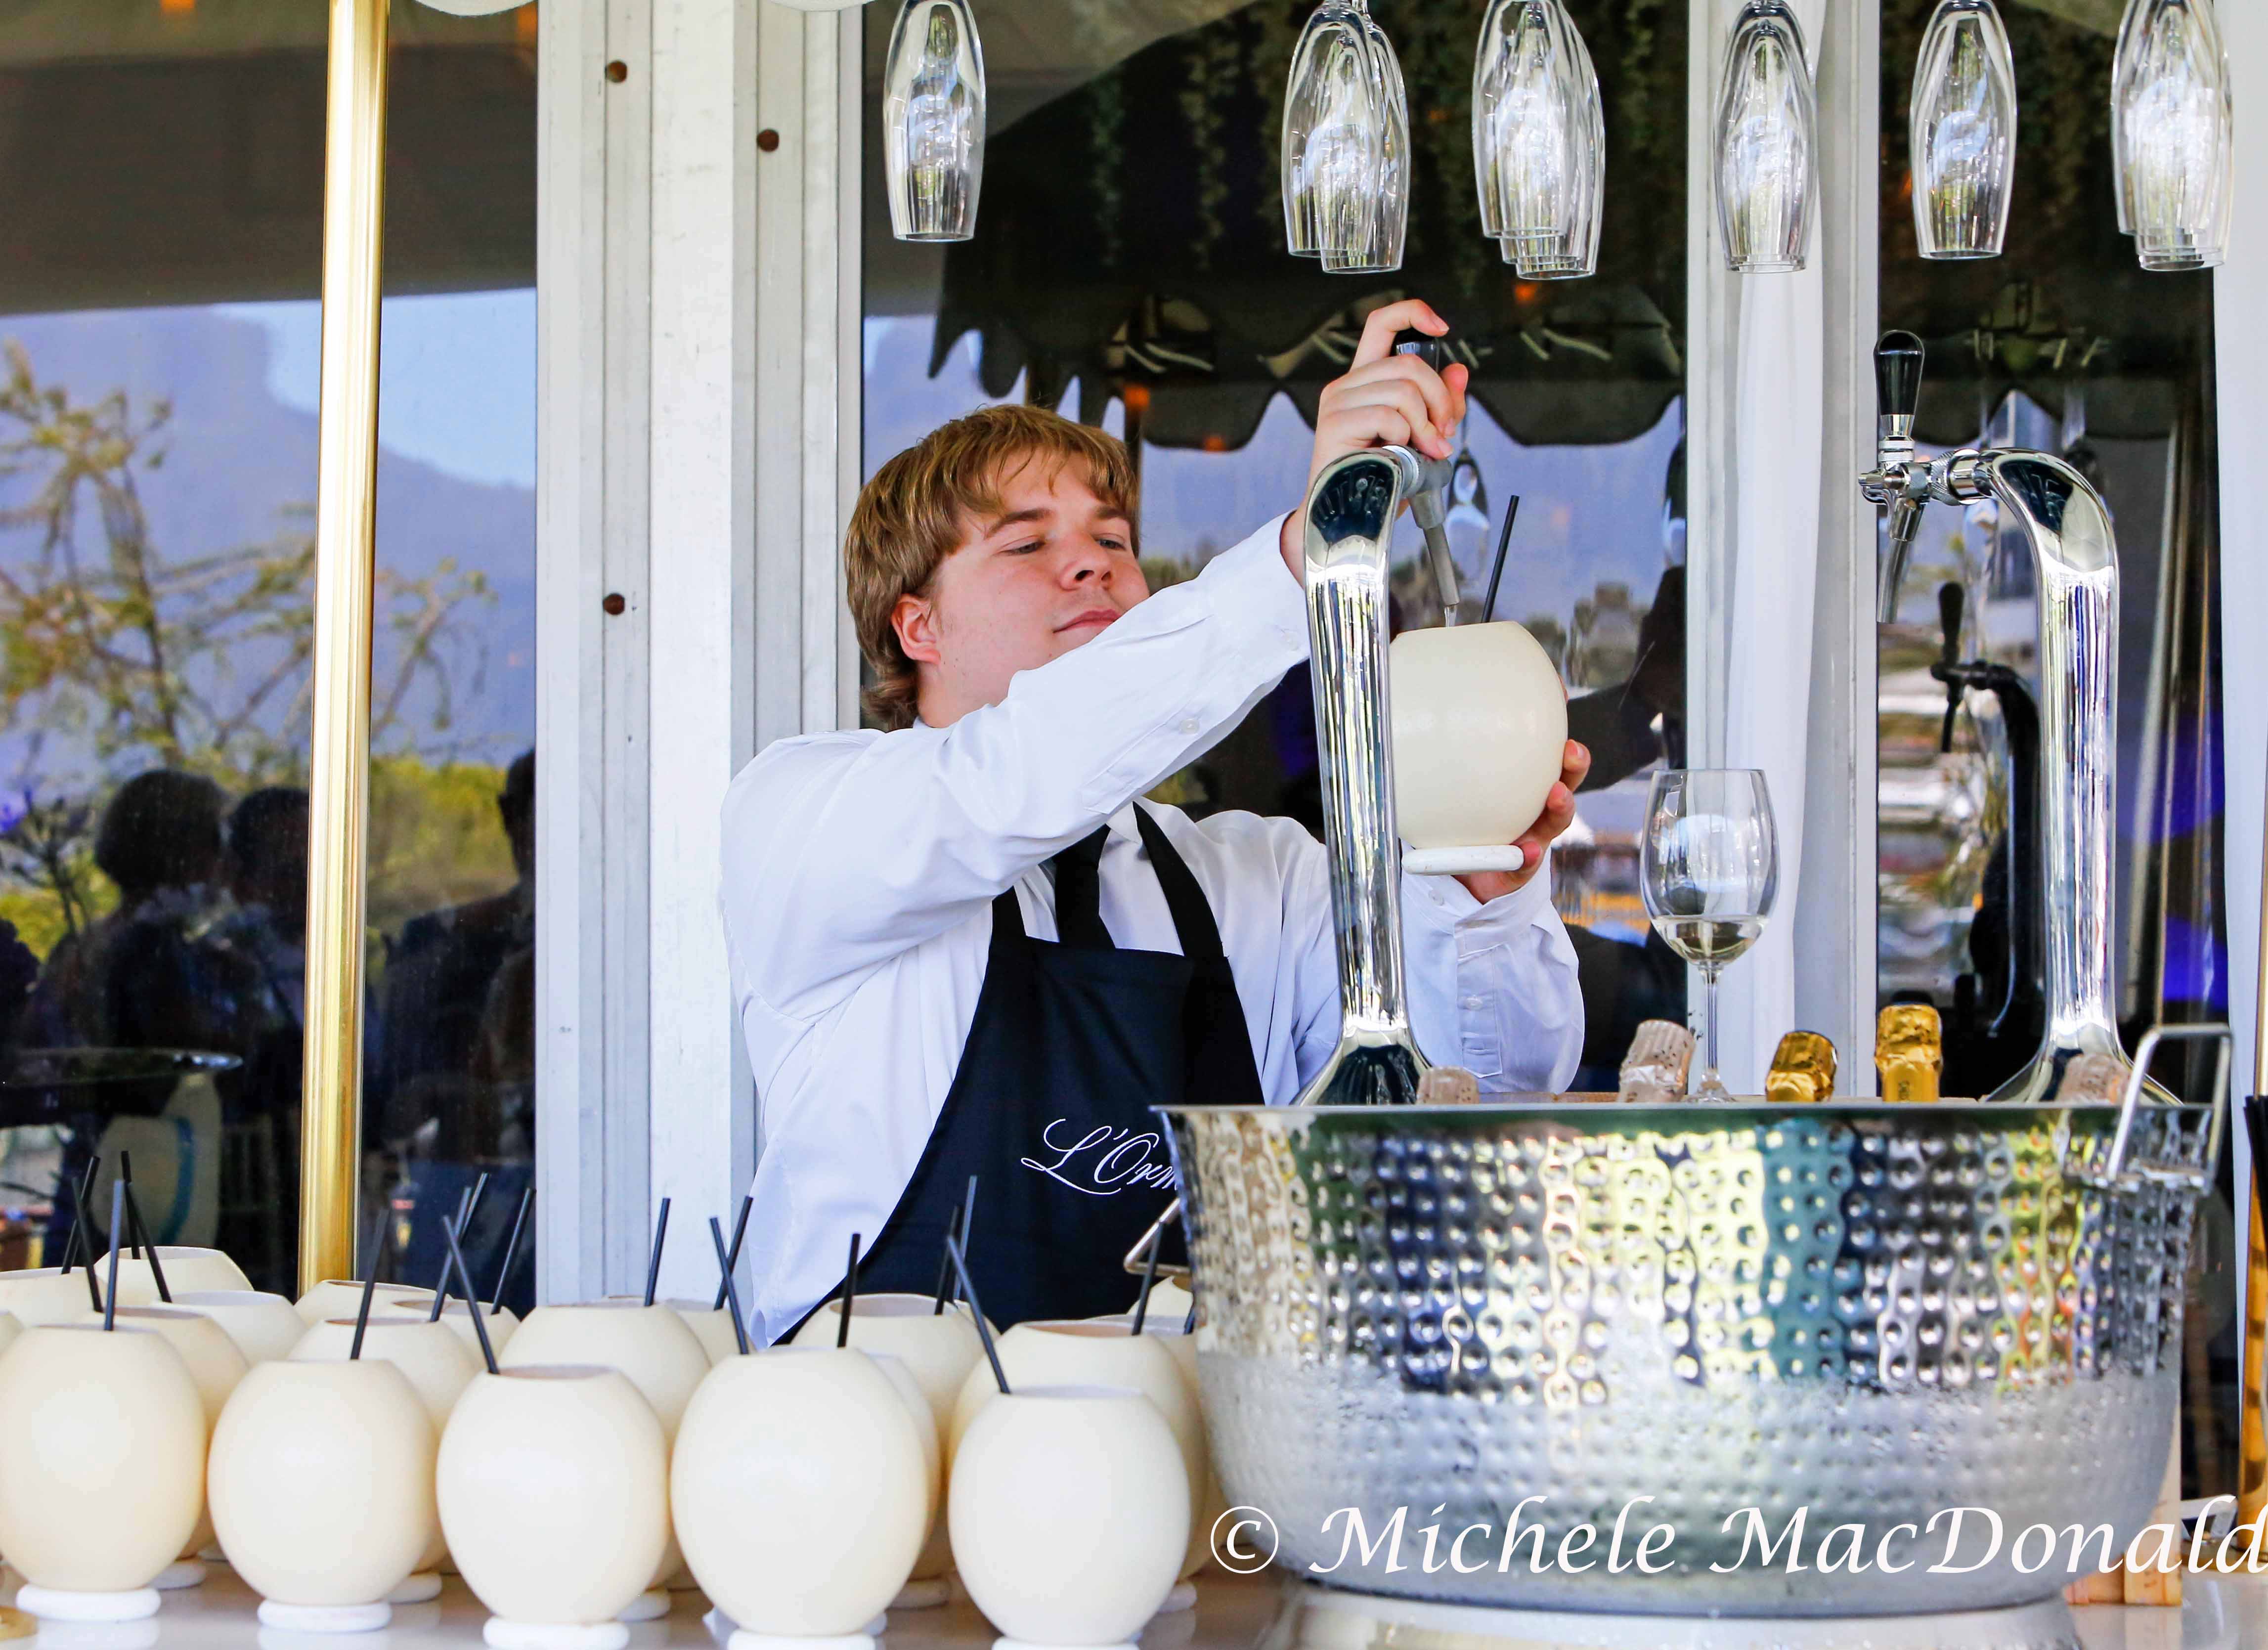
<point>1909,1052</point>
<point>1802,1069</point>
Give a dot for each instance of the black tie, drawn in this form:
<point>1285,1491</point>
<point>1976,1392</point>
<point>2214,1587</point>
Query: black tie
<point>1079,893</point>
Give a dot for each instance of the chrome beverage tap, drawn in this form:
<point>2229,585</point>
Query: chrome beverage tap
<point>2076,560</point>
<point>1348,535</point>
<point>1429,494</point>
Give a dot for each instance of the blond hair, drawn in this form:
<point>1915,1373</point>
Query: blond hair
<point>920,507</point>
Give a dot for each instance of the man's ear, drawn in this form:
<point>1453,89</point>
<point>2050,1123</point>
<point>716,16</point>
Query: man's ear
<point>915,619</point>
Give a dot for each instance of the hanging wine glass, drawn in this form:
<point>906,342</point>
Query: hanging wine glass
<point>2121,63</point>
<point>1373,217</point>
<point>2173,119</point>
<point>1766,122</point>
<point>1303,106</point>
<point>1962,132</point>
<point>933,121</point>
<point>1491,87</point>
<point>1548,130</point>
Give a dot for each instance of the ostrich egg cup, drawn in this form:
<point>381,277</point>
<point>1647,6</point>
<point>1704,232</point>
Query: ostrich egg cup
<point>264,1327</point>
<point>939,1348</point>
<point>102,1467</point>
<point>341,1298</point>
<point>1070,1511</point>
<point>438,1369</point>
<point>44,1294</point>
<point>553,1483</point>
<point>186,1269</point>
<point>1210,1502</point>
<point>503,1323</point>
<point>1480,734</point>
<point>654,1350</point>
<point>1094,1353</point>
<point>802,1494</point>
<point>321,1488</point>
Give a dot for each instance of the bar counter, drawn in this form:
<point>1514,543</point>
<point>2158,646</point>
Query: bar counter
<point>1231,1613</point>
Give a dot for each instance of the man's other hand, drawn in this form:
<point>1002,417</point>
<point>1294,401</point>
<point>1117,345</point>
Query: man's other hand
<point>1558,814</point>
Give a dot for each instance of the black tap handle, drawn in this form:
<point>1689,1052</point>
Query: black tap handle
<point>1897,374</point>
<point>1952,597</point>
<point>1434,352</point>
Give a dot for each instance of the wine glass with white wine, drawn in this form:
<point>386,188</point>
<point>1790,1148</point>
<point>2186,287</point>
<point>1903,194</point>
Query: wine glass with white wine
<point>1709,866</point>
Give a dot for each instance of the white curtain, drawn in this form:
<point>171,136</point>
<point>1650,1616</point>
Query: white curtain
<point>1778,416</point>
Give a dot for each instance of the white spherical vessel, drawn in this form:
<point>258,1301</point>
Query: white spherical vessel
<point>802,1493</point>
<point>939,1348</point>
<point>264,1327</point>
<point>1210,1502</point>
<point>45,1294</point>
<point>712,1326</point>
<point>651,1346</point>
<point>186,1268</point>
<point>553,1491</point>
<point>434,1362</point>
<point>341,1298</point>
<point>102,1464</point>
<point>1480,734</point>
<point>1069,1514</point>
<point>1092,1353</point>
<point>321,1488</point>
<point>501,1321</point>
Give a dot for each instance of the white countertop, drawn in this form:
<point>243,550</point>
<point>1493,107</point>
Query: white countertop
<point>1233,1613</point>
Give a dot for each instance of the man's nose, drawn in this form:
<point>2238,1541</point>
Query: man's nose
<point>1086,561</point>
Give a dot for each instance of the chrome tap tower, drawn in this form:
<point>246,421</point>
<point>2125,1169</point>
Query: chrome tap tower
<point>2076,560</point>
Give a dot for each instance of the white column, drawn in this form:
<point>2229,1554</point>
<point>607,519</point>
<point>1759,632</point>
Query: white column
<point>2241,343</point>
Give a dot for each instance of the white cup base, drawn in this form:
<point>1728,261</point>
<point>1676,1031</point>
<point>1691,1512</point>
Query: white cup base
<point>877,1627</point>
<point>325,1617</point>
<point>1461,862</point>
<point>546,1635</point>
<point>1184,1596</point>
<point>647,1606</point>
<point>923,1595</point>
<point>181,1574</point>
<point>416,1589</point>
<point>744,1638</point>
<point>54,1603</point>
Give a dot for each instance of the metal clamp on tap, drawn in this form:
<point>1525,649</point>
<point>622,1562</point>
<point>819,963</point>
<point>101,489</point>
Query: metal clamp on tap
<point>2075,559</point>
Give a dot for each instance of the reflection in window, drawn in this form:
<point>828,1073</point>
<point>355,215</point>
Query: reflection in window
<point>157,457</point>
<point>1129,269</point>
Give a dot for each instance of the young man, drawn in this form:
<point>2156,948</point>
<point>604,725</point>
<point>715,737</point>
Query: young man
<point>960,946</point>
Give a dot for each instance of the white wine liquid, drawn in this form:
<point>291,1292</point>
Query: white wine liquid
<point>1711,941</point>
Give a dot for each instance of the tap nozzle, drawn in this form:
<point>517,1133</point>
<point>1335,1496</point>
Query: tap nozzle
<point>1896,481</point>
<point>1429,496</point>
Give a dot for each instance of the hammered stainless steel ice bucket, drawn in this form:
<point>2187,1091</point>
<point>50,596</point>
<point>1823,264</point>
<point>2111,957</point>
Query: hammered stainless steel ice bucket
<point>1868,1313</point>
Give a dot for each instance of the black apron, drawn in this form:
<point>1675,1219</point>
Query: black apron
<point>1069,1048</point>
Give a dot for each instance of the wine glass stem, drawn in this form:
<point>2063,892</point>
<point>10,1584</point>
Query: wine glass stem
<point>1710,1083</point>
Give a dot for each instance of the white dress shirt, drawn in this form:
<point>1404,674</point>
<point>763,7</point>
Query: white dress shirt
<point>860,869</point>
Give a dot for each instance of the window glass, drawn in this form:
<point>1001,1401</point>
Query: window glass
<point>2064,345</point>
<point>1129,269</point>
<point>161,170</point>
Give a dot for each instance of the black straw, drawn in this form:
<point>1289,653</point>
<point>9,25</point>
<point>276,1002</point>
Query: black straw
<point>464,1277</point>
<point>512,1244</point>
<point>117,1215</point>
<point>1149,1281</point>
<point>733,1253</point>
<point>654,1259</point>
<point>133,1225</point>
<point>140,1234</point>
<point>968,1217</point>
<point>983,1329</point>
<point>727,1288</point>
<point>849,1296</point>
<point>78,1240</point>
<point>441,1284</point>
<point>1496,570</point>
<point>945,1268</point>
<point>1190,1323</point>
<point>369,1284</point>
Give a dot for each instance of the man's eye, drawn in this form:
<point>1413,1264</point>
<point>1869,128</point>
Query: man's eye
<point>1028,546</point>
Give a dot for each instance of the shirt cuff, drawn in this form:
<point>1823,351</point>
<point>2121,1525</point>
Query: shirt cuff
<point>1445,903</point>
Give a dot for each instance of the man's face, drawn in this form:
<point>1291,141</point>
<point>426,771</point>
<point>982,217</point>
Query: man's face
<point>1049,572</point>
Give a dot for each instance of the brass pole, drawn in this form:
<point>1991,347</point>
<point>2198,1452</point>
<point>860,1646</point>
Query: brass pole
<point>2252,1210</point>
<point>354,198</point>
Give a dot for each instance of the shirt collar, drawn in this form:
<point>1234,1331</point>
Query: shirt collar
<point>1123,826</point>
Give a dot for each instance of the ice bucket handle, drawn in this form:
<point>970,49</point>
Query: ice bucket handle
<point>2118,1174</point>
